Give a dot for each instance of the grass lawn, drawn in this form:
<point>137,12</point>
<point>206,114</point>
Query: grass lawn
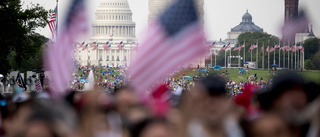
<point>312,75</point>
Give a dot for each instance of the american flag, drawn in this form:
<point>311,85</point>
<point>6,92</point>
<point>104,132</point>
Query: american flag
<point>268,49</point>
<point>253,46</point>
<point>21,82</point>
<point>59,60</point>
<point>242,46</point>
<point>111,35</point>
<point>174,39</point>
<point>93,44</point>
<point>228,46</point>
<point>81,45</point>
<point>38,86</point>
<point>106,46</point>
<point>237,48</point>
<point>272,49</point>
<point>85,47</point>
<point>52,23</point>
<point>277,46</point>
<point>211,45</point>
<point>95,47</point>
<point>223,48</point>
<point>302,50</point>
<point>262,49</point>
<point>120,46</point>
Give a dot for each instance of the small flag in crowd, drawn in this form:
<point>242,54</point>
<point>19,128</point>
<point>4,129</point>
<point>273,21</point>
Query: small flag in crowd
<point>52,22</point>
<point>174,39</point>
<point>38,86</point>
<point>111,35</point>
<point>20,82</point>
<point>59,60</point>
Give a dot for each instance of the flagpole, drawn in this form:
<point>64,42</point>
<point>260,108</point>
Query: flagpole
<point>230,57</point>
<point>257,54</point>
<point>268,58</point>
<point>291,59</point>
<point>263,55</point>
<point>225,59</point>
<point>279,53</point>
<point>244,51</point>
<point>295,57</point>
<point>284,59</point>
<point>274,55</point>
<point>211,56</point>
<point>268,54</point>
<point>215,59</point>
<point>239,58</point>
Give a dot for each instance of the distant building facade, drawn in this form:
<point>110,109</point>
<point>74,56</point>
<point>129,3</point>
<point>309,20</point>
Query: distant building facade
<point>245,26</point>
<point>113,23</point>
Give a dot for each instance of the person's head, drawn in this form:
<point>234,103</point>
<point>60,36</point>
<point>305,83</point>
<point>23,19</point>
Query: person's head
<point>151,128</point>
<point>287,96</point>
<point>15,115</point>
<point>125,98</point>
<point>215,104</point>
<point>269,125</point>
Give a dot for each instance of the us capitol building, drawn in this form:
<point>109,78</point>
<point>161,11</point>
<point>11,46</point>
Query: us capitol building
<point>113,23</point>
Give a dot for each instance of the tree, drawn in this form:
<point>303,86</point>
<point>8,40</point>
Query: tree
<point>18,37</point>
<point>312,53</point>
<point>310,47</point>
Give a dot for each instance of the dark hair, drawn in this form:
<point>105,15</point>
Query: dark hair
<point>214,85</point>
<point>137,129</point>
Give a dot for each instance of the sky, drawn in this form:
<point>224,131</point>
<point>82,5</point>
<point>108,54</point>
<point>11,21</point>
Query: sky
<point>219,15</point>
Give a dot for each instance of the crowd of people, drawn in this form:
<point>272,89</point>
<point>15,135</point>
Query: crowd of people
<point>290,107</point>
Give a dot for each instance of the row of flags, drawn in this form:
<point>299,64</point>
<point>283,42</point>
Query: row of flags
<point>293,48</point>
<point>95,46</point>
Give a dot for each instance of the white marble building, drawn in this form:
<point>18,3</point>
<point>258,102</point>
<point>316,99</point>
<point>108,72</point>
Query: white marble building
<point>113,23</point>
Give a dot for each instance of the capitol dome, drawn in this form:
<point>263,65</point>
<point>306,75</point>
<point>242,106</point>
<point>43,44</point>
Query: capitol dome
<point>247,25</point>
<point>247,17</point>
<point>113,20</point>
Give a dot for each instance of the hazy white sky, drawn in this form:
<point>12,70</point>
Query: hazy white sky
<point>220,15</point>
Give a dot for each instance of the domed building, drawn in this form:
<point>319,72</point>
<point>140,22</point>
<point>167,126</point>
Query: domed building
<point>245,26</point>
<point>113,19</point>
<point>113,24</point>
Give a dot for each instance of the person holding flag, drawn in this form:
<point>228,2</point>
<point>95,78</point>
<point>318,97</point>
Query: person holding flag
<point>21,82</point>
